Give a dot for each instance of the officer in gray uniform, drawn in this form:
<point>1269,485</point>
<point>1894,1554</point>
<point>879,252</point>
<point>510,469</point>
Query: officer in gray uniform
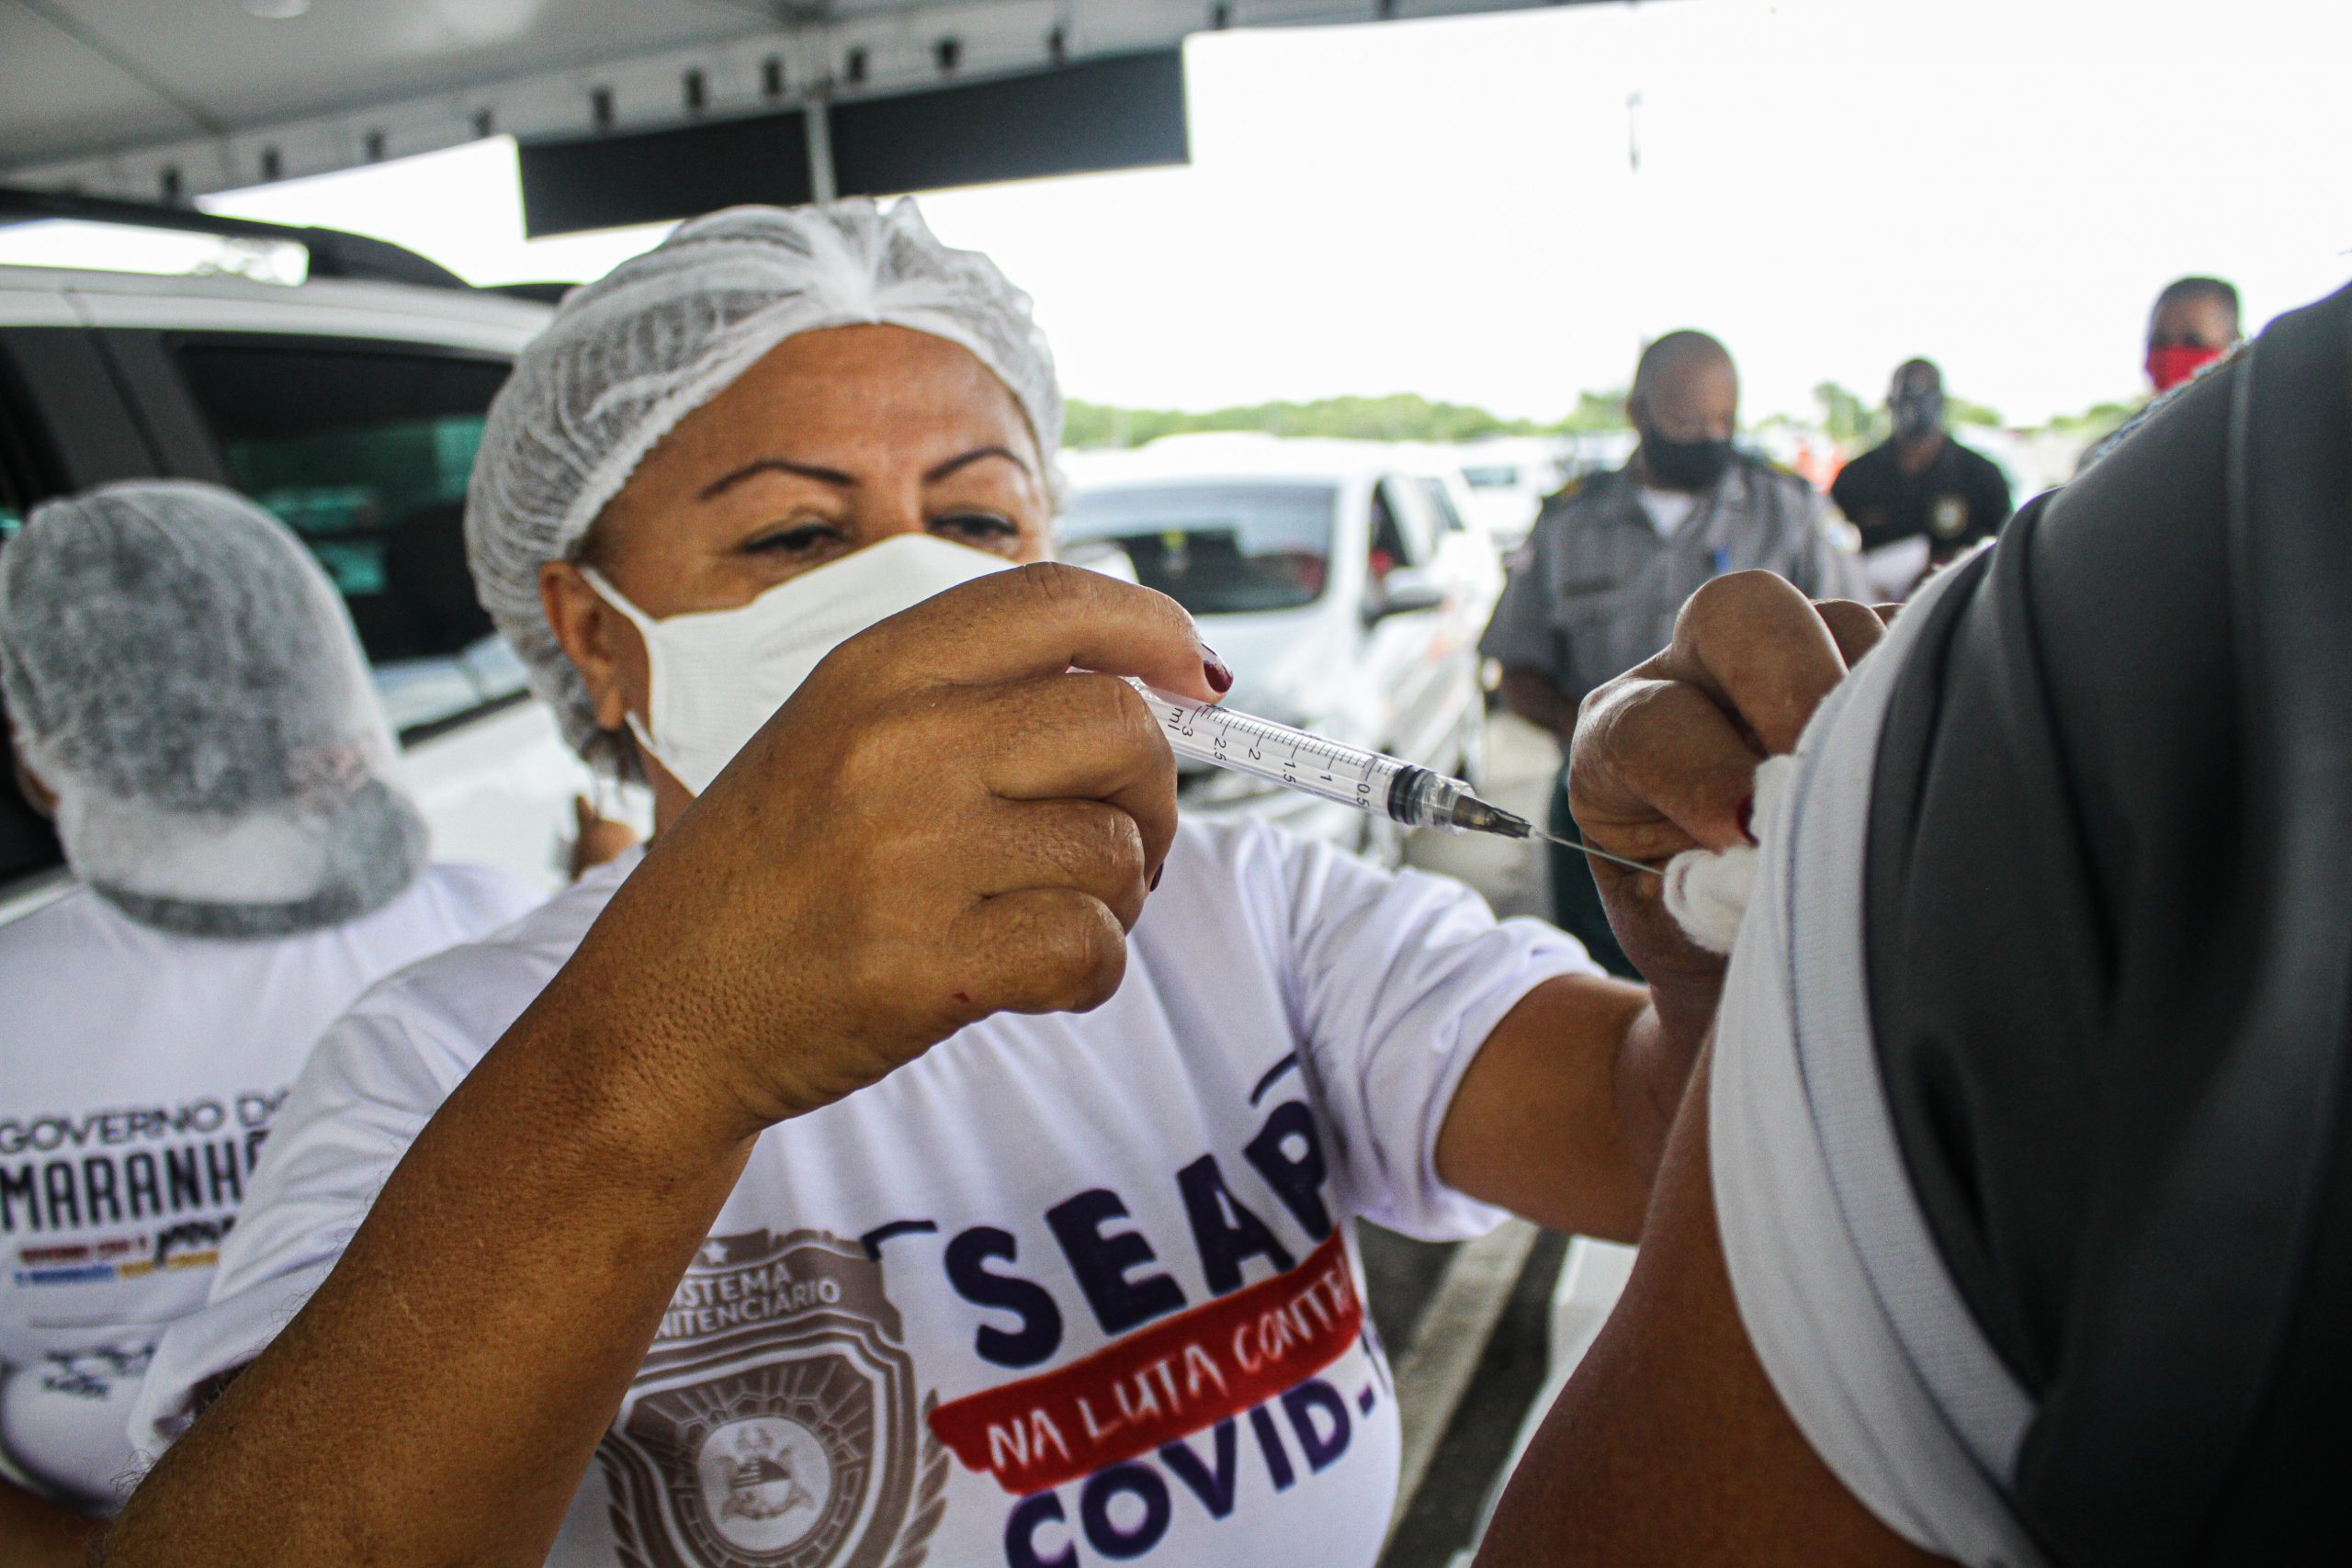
<point>1613,558</point>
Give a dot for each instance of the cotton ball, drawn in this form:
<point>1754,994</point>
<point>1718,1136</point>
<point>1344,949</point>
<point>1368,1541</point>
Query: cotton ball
<point>1707,892</point>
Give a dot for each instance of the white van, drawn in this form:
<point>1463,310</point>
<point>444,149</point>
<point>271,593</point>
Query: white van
<point>350,406</point>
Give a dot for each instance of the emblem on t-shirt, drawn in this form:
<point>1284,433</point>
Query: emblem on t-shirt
<point>94,1371</point>
<point>773,1424</point>
<point>1948,516</point>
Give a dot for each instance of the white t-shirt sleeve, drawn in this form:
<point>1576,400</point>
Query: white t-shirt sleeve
<point>1840,1286</point>
<point>1398,981</point>
<point>376,1078</point>
<point>477,899</point>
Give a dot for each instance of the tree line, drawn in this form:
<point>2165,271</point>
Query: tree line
<point>1851,419</point>
<point>1402,416</point>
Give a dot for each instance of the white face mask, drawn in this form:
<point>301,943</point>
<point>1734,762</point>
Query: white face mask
<point>718,674</point>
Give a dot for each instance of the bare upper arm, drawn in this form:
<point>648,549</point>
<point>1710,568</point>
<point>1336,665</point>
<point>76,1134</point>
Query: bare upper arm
<point>1535,1126</point>
<point>1669,1446</point>
<point>37,1533</point>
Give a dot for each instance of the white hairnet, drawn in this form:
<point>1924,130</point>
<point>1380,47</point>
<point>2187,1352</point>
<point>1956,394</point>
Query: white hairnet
<point>629,356</point>
<point>183,675</point>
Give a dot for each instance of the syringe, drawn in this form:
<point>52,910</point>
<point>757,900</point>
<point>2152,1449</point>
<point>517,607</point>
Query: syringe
<point>1371,782</point>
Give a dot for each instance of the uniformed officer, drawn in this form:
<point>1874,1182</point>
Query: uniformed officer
<point>1920,484</point>
<point>1613,558</point>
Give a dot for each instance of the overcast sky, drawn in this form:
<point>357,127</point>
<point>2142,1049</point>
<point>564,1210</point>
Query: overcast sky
<point>1451,207</point>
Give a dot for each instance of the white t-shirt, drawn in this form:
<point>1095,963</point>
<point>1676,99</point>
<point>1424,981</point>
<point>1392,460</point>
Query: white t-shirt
<point>1067,1290</point>
<point>141,1070</point>
<point>1666,509</point>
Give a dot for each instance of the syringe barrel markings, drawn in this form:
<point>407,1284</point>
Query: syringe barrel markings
<point>1371,782</point>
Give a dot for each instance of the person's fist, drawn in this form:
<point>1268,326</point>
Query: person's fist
<point>948,820</point>
<point>1665,756</point>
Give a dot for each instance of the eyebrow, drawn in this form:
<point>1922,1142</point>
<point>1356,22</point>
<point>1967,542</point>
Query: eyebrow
<point>726,482</point>
<point>953,465</point>
<point>841,481</point>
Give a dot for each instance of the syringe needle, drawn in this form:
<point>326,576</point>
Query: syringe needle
<point>1482,816</point>
<point>1602,855</point>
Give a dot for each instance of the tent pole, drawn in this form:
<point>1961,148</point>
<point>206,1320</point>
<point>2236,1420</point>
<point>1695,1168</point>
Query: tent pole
<point>820,150</point>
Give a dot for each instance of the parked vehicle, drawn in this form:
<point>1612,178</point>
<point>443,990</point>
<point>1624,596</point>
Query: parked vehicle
<point>1508,478</point>
<point>349,404</point>
<point>1344,582</point>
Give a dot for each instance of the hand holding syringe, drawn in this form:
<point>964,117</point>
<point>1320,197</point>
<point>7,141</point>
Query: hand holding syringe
<point>1371,782</point>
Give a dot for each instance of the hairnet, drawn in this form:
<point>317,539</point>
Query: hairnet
<point>629,356</point>
<point>183,675</point>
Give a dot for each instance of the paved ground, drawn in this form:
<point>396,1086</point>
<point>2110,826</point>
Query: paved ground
<point>1469,1327</point>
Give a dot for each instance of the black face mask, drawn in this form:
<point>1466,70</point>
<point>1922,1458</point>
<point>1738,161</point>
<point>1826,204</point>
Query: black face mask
<point>1685,465</point>
<point>1917,413</point>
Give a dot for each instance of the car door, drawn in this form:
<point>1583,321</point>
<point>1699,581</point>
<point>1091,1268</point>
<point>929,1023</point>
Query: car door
<point>1467,561</point>
<point>1472,573</point>
<point>30,862</point>
<point>363,447</point>
<point>1406,635</point>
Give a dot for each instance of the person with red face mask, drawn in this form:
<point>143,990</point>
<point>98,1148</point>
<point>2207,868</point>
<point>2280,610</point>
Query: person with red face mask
<point>2194,324</point>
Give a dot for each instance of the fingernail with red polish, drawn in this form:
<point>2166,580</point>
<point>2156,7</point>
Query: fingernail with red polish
<point>1747,814</point>
<point>1219,678</point>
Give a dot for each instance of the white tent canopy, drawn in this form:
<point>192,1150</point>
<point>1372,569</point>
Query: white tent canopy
<point>150,101</point>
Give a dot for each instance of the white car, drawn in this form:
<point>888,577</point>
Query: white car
<point>1508,478</point>
<point>1344,582</point>
<point>349,406</point>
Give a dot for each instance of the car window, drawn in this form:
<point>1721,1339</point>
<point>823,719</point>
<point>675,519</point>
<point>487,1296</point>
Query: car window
<point>364,449</point>
<point>1495,476</point>
<point>17,453</point>
<point>28,843</point>
<point>1442,506</point>
<point>1403,528</point>
<point>1217,549</point>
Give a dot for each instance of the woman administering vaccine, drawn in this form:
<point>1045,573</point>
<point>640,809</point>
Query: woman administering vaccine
<point>928,1150</point>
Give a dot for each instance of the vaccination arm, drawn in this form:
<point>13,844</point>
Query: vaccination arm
<point>1669,1446</point>
<point>37,1533</point>
<point>440,1397</point>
